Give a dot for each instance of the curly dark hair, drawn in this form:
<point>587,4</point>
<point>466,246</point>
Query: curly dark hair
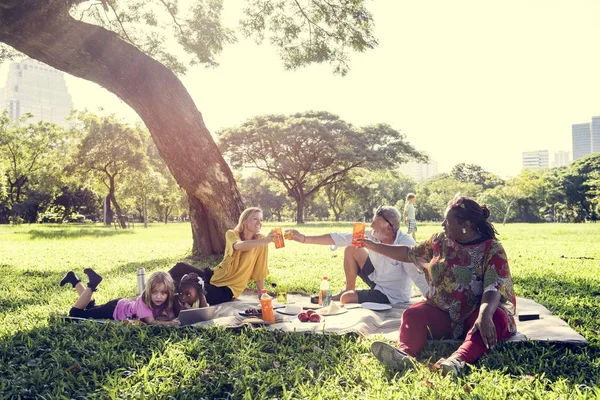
<point>467,209</point>
<point>192,279</point>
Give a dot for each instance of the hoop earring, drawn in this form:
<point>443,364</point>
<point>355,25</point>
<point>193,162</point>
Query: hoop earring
<point>464,230</point>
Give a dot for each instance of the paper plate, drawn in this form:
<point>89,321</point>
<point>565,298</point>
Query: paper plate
<point>282,311</point>
<point>376,306</point>
<point>311,306</point>
<point>340,311</point>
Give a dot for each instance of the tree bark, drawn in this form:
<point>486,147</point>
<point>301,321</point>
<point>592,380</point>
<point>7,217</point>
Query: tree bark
<point>300,210</point>
<point>207,239</point>
<point>46,32</point>
<point>113,200</point>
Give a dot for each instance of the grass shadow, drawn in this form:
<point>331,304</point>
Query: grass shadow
<point>90,360</point>
<point>71,233</point>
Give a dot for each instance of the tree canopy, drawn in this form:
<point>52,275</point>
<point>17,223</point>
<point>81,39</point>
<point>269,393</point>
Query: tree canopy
<point>108,150</point>
<point>308,151</point>
<point>26,150</point>
<point>123,45</point>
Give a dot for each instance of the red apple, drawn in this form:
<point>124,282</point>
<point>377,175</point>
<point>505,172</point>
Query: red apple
<point>303,317</point>
<point>315,318</point>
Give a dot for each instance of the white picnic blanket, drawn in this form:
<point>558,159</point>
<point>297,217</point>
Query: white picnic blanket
<point>387,323</point>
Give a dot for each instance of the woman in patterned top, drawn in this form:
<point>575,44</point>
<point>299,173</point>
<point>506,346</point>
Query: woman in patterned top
<point>470,296</point>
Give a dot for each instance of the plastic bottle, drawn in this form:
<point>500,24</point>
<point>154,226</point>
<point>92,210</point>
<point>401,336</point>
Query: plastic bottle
<point>266,303</point>
<point>141,280</point>
<point>324,298</point>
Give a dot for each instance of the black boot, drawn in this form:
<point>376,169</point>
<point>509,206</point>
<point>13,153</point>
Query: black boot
<point>71,278</point>
<point>93,278</point>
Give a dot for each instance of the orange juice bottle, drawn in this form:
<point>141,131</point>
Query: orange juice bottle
<point>279,243</point>
<point>358,232</point>
<point>266,303</point>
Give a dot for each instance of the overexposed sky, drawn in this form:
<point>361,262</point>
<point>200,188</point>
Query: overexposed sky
<point>466,81</point>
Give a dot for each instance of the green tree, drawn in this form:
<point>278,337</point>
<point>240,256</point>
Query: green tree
<point>371,189</point>
<point>340,194</point>
<point>521,197</point>
<point>433,195</point>
<point>78,200</point>
<point>26,150</point>
<point>592,184</point>
<point>108,150</point>
<point>311,150</point>
<point>262,191</point>
<point>142,186</point>
<point>125,47</point>
<point>473,173</point>
<point>578,185</point>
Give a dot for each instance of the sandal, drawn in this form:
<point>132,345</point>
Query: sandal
<point>452,366</point>
<point>391,356</point>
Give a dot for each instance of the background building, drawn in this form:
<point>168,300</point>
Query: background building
<point>420,171</point>
<point>535,159</point>
<point>33,87</point>
<point>561,158</point>
<point>586,138</point>
<point>595,134</point>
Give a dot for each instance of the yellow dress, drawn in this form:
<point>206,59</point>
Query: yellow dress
<point>238,267</point>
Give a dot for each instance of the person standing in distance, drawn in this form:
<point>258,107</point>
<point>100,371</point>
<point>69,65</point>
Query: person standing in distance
<point>409,215</point>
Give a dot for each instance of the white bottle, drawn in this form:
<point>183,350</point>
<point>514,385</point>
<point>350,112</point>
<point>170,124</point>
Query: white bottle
<point>324,298</point>
<point>141,280</point>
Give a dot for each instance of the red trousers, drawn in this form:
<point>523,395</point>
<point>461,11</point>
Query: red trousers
<point>423,320</point>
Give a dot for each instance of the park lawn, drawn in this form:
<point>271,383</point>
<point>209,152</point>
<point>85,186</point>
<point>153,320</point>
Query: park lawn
<point>42,356</point>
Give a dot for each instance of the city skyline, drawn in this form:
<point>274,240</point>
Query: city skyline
<point>455,80</point>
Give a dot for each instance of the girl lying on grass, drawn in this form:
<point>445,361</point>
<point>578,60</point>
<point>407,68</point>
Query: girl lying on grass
<point>191,293</point>
<point>154,306</point>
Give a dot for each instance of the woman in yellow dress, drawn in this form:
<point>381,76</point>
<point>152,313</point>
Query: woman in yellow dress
<point>246,253</point>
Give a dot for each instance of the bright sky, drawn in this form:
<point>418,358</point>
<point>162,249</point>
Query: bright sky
<point>467,81</point>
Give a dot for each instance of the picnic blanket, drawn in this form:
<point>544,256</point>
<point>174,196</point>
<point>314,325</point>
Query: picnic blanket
<point>366,323</point>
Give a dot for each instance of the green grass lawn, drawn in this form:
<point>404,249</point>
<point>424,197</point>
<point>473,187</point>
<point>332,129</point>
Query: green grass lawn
<point>42,356</point>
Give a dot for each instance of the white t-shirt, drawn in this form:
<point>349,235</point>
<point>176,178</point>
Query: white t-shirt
<point>409,209</point>
<point>392,278</point>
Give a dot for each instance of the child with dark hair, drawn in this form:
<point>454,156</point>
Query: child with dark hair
<point>191,293</point>
<point>154,306</point>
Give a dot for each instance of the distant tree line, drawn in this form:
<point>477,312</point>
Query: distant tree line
<point>565,194</point>
<point>307,166</point>
<point>55,174</point>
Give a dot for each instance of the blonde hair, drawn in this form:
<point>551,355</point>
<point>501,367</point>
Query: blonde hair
<point>247,213</point>
<point>159,278</point>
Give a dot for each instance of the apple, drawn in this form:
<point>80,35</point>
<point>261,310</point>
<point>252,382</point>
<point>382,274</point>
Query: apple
<point>303,317</point>
<point>310,312</point>
<point>315,318</point>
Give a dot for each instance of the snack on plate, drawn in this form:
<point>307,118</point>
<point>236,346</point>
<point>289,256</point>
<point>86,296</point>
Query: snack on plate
<point>330,309</point>
<point>293,309</point>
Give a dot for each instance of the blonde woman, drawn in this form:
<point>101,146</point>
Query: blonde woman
<point>245,259</point>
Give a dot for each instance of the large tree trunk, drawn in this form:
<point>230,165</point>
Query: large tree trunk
<point>45,31</point>
<point>207,239</point>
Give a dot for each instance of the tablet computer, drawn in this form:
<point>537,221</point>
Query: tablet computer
<point>195,315</point>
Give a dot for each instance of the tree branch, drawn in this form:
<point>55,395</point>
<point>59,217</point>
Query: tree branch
<point>173,17</point>
<point>310,20</point>
<point>109,2</point>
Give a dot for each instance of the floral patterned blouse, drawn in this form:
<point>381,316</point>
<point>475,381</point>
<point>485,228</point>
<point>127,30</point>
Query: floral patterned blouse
<point>459,274</point>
